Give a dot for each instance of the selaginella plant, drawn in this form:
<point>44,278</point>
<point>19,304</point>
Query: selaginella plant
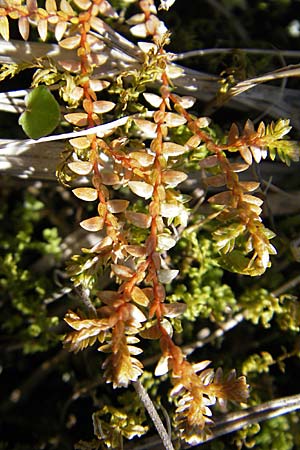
<point>132,146</point>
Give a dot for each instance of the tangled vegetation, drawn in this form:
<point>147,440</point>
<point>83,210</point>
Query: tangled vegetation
<point>178,247</point>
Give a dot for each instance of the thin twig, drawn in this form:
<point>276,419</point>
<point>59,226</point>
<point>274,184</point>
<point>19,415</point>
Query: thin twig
<point>251,51</point>
<point>148,404</point>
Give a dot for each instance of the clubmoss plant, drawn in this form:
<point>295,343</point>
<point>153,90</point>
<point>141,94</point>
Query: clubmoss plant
<point>133,145</point>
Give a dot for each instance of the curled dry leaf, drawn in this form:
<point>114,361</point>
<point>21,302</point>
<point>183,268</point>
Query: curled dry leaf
<point>93,223</point>
<point>86,193</point>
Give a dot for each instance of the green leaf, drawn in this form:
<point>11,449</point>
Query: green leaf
<point>42,113</point>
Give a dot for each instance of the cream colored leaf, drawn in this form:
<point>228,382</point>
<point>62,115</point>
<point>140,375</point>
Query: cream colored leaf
<point>239,167</point>
<point>171,149</point>
<point>253,200</point>
<point>136,19</point>
<point>141,188</point>
<point>81,167</point>
<point>140,220</point>
<point>97,25</point>
<point>70,43</point>
<point>60,30</point>
<point>98,85</point>
<point>136,313</point>
<point>257,153</point>
<point>165,276</point>
<point>246,155</point>
<point>80,143</point>
<point>50,6</point>
<point>102,245</point>
<point>169,210</point>
<point>93,223</point>
<point>174,309</point>
<point>215,180</point>
<point>173,177</point>
<point>144,159</point>
<point>174,120</point>
<point>139,297</point>
<point>186,101</point>
<point>153,99</point>
<point>67,8</point>
<point>86,193</point>
<point>121,271</point>
<point>42,27</point>
<point>147,127</point>
<point>117,206</point>
<point>209,161</point>
<point>165,242</point>
<point>4,28</point>
<point>249,186</point>
<point>193,142</point>
<point>146,47</point>
<point>24,28</point>
<point>222,198</point>
<point>103,106</point>
<point>162,366</point>
<point>203,122</point>
<point>77,119</point>
<point>107,10</point>
<point>83,4</point>
<point>109,178</point>
<point>139,30</point>
<point>138,251</point>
